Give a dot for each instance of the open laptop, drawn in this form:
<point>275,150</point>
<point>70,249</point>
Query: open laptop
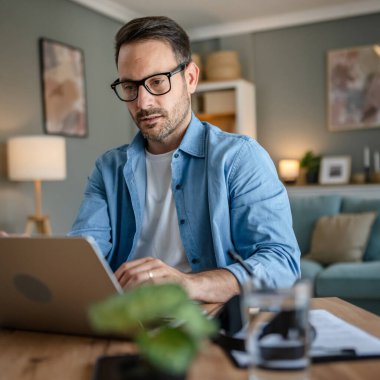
<point>48,283</point>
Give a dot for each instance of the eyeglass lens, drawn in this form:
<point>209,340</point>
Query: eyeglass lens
<point>156,85</point>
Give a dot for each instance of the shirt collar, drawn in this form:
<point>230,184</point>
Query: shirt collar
<point>137,144</point>
<point>192,143</point>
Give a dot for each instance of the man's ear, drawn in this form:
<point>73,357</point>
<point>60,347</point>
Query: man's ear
<point>192,76</point>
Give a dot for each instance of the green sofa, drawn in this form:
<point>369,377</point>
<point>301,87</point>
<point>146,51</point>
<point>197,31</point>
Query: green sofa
<point>355,282</point>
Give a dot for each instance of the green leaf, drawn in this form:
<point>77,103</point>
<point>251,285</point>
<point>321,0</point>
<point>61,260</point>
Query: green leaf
<point>170,349</point>
<point>310,161</point>
<point>195,322</point>
<point>112,315</point>
<point>137,308</point>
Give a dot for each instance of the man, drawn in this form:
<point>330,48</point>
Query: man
<point>169,206</point>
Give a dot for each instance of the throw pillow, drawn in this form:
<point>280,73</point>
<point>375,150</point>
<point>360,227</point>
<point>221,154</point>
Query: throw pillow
<point>353,205</point>
<point>341,237</point>
<point>306,211</point>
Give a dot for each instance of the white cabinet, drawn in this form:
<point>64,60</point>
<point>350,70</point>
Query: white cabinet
<point>230,105</point>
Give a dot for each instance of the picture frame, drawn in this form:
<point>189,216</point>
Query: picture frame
<point>63,89</point>
<point>335,170</point>
<point>353,88</point>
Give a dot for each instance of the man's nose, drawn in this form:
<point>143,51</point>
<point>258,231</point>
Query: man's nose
<point>144,98</point>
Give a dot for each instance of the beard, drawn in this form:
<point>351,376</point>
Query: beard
<point>168,123</point>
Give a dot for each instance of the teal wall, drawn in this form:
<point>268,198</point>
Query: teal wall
<point>22,23</point>
<point>288,67</point>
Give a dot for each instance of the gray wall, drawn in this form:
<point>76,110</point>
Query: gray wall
<point>22,23</point>
<point>288,67</point>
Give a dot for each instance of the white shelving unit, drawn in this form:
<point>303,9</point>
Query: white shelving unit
<point>244,114</point>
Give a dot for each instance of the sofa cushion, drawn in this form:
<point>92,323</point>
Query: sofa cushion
<point>341,237</point>
<point>350,280</point>
<point>306,211</point>
<point>363,205</point>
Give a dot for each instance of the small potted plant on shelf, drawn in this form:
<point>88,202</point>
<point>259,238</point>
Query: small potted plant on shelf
<point>167,326</point>
<point>310,164</point>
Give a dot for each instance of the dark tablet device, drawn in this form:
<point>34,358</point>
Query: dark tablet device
<point>230,322</point>
<point>121,367</point>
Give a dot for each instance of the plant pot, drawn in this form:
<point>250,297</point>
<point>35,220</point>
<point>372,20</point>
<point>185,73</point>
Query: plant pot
<point>312,177</point>
<point>129,367</point>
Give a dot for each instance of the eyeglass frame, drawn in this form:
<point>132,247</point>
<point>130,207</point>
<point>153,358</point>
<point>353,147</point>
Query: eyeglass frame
<point>138,83</point>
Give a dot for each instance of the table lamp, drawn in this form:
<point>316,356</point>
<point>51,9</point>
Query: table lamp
<point>289,170</point>
<point>37,158</point>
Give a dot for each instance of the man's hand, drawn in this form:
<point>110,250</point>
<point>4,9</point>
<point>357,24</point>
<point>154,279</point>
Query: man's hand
<point>148,269</point>
<point>217,285</point>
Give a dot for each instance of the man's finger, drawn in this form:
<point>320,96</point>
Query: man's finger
<point>128,265</point>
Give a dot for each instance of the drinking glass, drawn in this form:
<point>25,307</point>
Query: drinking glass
<point>278,329</point>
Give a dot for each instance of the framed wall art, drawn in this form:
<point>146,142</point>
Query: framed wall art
<point>353,88</point>
<point>63,88</point>
<point>335,170</point>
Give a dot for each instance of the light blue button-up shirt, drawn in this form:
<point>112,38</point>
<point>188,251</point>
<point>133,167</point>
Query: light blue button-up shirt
<point>227,195</point>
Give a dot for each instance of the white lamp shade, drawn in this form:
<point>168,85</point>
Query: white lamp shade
<point>36,158</point>
<point>289,170</point>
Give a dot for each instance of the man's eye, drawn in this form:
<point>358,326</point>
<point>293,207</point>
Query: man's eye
<point>156,82</point>
<point>127,87</point>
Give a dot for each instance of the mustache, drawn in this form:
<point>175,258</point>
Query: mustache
<point>151,111</point>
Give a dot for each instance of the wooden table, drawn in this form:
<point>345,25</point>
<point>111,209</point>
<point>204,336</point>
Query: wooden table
<point>40,356</point>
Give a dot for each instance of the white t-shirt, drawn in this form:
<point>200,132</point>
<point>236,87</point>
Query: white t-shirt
<point>160,236</point>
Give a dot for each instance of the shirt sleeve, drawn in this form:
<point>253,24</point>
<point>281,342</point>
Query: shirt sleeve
<point>93,216</point>
<point>261,221</point>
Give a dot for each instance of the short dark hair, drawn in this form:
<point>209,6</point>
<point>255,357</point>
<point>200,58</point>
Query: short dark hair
<point>155,28</point>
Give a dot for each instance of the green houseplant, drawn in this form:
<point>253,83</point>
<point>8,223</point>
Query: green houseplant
<point>310,163</point>
<point>165,323</point>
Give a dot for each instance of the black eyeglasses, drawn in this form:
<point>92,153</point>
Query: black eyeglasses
<point>157,84</point>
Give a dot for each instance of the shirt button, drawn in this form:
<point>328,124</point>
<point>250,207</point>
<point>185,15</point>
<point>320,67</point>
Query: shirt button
<point>195,261</point>
<point>176,155</point>
<point>178,187</point>
<point>182,221</point>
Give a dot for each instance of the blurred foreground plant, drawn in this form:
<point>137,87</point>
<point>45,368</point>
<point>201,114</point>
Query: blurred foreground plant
<point>164,322</point>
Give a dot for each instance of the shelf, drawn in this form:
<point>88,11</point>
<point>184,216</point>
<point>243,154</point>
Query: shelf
<point>221,85</point>
<point>316,185</point>
<point>209,116</point>
<point>224,120</point>
<point>367,191</point>
<point>240,116</point>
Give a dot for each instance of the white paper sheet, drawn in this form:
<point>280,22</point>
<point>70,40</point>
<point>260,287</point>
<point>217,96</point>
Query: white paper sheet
<point>334,334</point>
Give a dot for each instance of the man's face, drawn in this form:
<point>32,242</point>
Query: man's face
<point>161,119</point>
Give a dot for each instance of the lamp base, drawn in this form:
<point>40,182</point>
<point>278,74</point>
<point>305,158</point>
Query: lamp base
<point>42,224</point>
<point>290,181</point>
